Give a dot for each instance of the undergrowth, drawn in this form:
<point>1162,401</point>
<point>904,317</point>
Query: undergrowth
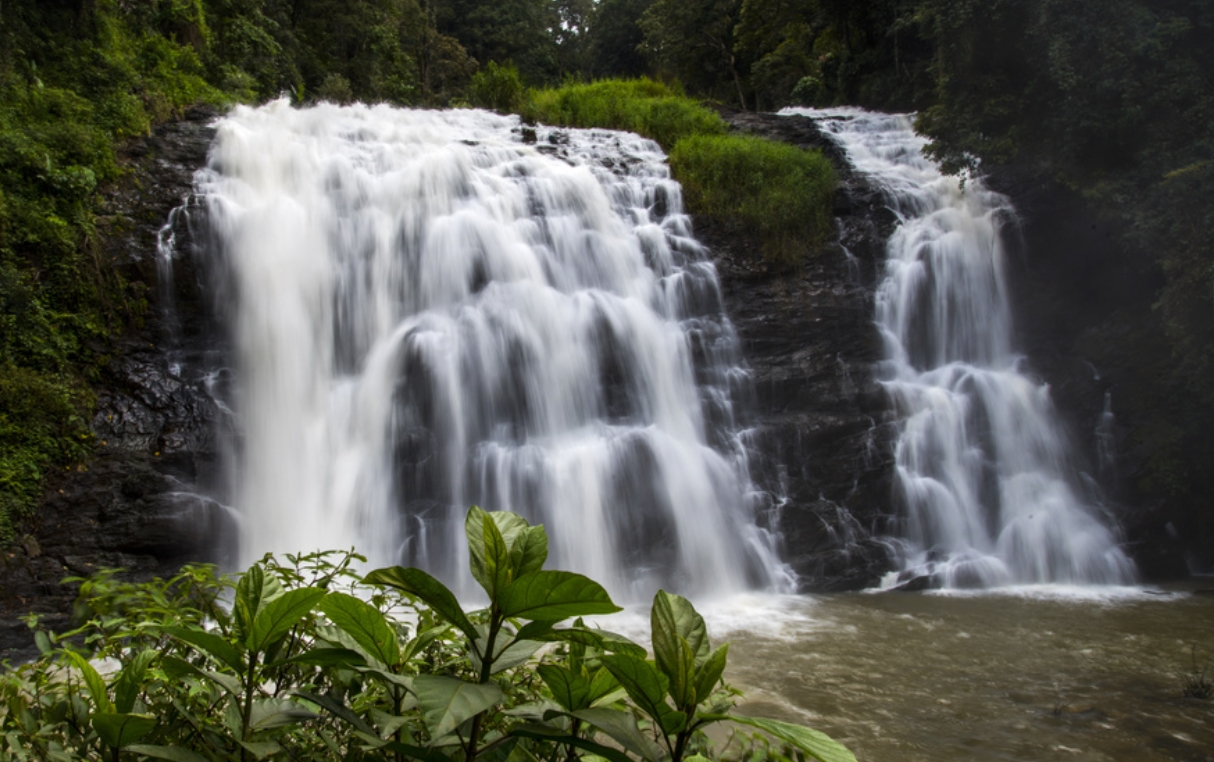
<point>309,660</point>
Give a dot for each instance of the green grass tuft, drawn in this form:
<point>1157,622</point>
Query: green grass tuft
<point>780,192</point>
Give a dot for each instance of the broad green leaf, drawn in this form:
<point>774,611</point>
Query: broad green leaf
<point>488,553</point>
<point>337,709</point>
<point>554,595</point>
<point>325,657</point>
<point>584,636</point>
<point>623,729</point>
<point>171,753</point>
<point>365,623</point>
<point>43,641</point>
<point>507,652</point>
<point>529,550</point>
<point>813,742</point>
<point>535,630</point>
<point>432,592</point>
<point>278,616</point>
<point>571,690</point>
<point>673,617</point>
<point>646,687</point>
<point>423,639</point>
<point>261,749</point>
<point>682,687</point>
<point>130,681</point>
<point>228,653</point>
<point>93,681</point>
<point>602,684</point>
<point>272,713</point>
<point>709,673</point>
<point>178,667</point>
<point>119,730</point>
<point>446,702</point>
<point>253,592</point>
<point>560,736</point>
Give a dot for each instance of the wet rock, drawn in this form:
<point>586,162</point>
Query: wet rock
<point>822,439</point>
<point>130,507</point>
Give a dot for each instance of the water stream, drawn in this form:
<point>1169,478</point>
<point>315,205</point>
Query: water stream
<point>983,470</point>
<point>429,312</point>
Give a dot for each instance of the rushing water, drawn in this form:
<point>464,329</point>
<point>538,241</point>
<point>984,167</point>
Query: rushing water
<point>1039,676</point>
<point>982,467</point>
<point>428,312</point>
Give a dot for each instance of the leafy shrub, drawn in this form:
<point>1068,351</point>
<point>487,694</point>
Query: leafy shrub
<point>780,192</point>
<point>311,662</point>
<point>497,87</point>
<point>642,106</point>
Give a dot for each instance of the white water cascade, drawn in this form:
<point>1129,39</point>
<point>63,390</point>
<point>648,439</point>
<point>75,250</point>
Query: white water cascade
<point>982,466</point>
<point>428,313</point>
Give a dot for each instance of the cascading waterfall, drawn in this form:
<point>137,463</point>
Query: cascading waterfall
<point>981,464</point>
<point>428,313</point>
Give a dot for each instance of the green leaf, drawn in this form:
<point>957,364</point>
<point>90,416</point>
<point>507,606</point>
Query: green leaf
<point>709,674</point>
<point>813,742</point>
<point>570,689</point>
<point>179,667</point>
<point>325,657</point>
<point>119,730</point>
<point>337,709</point>
<point>432,592</point>
<point>130,680</point>
<point>228,653</point>
<point>366,624</point>
<point>488,553</point>
<point>447,702</point>
<point>94,682</point>
<point>423,639</point>
<point>646,686</point>
<point>623,729</point>
<point>560,736</point>
<point>673,617</point>
<point>554,595</point>
<point>171,753</point>
<point>253,592</point>
<point>602,684</point>
<point>507,652</point>
<point>261,749</point>
<point>529,550</point>
<point>271,713</point>
<point>281,614</point>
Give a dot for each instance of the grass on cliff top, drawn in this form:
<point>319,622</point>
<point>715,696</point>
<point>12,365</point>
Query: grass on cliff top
<point>648,108</point>
<point>778,192</point>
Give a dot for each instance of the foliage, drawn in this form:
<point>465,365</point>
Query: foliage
<point>310,662</point>
<point>497,87</point>
<point>782,193</point>
<point>641,105</point>
<point>694,40</point>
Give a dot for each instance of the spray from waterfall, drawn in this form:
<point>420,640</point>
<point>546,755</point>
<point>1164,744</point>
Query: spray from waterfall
<point>428,313</point>
<point>983,469</point>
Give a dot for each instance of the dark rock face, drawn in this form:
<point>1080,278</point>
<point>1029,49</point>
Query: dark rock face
<point>823,434</point>
<point>1083,306</point>
<point>133,506</point>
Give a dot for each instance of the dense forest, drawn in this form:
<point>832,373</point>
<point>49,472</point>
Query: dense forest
<point>1112,99</point>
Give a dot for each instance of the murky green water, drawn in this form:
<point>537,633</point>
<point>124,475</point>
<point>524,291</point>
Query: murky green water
<point>927,677</point>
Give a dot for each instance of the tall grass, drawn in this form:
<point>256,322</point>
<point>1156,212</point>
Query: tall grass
<point>643,106</point>
<point>778,191</point>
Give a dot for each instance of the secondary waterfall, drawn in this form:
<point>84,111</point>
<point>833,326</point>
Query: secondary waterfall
<point>982,467</point>
<point>428,312</point>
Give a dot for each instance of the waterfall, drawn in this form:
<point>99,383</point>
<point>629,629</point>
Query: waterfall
<point>427,312</point>
<point>982,467</point>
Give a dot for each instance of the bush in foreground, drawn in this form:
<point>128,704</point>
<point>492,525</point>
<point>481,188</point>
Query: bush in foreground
<point>313,662</point>
<point>780,192</point>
